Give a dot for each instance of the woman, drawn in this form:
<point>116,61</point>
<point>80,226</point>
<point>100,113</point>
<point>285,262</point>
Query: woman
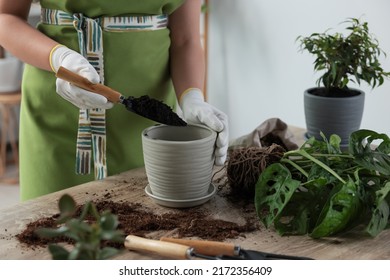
<point>136,47</point>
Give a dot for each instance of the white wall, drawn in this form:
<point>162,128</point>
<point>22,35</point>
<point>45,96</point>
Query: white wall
<point>256,71</point>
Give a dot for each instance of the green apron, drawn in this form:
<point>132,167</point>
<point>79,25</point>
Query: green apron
<point>135,63</point>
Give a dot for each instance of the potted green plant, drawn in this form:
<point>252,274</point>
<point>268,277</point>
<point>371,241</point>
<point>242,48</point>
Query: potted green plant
<point>332,107</point>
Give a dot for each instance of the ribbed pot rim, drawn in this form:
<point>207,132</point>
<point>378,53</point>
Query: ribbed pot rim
<point>358,96</point>
<point>147,137</point>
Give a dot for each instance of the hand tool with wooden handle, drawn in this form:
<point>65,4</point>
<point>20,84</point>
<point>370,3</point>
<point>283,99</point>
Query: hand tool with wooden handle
<point>222,250</point>
<point>167,249</point>
<point>144,106</point>
<point>209,248</point>
<point>162,248</point>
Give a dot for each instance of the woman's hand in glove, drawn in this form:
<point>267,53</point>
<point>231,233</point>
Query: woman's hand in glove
<point>197,111</point>
<point>73,61</point>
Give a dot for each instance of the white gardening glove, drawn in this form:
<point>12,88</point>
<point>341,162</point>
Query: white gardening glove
<point>197,111</point>
<point>75,62</point>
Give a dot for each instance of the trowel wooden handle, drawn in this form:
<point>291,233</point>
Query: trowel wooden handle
<point>167,249</point>
<point>209,248</point>
<point>80,81</point>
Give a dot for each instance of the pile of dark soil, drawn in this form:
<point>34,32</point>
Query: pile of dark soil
<point>136,220</point>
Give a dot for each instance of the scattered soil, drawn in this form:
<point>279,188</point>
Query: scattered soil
<point>153,109</point>
<point>136,220</point>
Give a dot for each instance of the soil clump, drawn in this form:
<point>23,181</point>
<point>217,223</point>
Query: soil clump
<point>153,109</point>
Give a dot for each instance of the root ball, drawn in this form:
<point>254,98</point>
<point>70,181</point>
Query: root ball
<point>246,164</point>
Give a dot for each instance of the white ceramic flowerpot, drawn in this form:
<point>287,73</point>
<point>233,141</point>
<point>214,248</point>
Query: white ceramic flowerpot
<point>179,161</point>
<point>10,74</point>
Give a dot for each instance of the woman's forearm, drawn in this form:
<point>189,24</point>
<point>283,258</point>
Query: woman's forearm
<point>187,67</point>
<point>24,41</point>
<point>186,53</point>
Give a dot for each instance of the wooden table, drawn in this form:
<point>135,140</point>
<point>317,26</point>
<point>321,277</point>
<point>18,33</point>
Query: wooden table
<point>129,186</point>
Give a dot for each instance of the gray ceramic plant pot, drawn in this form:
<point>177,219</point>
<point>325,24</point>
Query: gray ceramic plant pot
<point>333,115</point>
<point>179,162</point>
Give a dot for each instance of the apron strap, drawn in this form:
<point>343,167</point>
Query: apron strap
<point>92,122</point>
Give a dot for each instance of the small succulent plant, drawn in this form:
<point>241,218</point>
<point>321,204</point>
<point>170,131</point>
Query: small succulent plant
<point>88,232</point>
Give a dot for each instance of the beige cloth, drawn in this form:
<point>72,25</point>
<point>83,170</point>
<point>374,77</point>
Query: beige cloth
<point>273,126</point>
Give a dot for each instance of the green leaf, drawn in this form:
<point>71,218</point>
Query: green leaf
<point>274,189</point>
<point>340,210</point>
<point>108,221</point>
<point>67,207</point>
<point>51,232</point>
<point>108,252</point>
<point>334,144</point>
<point>75,254</point>
<point>361,147</point>
<point>305,154</point>
<point>380,215</point>
<point>115,236</point>
<point>58,252</point>
<point>379,219</point>
<point>297,216</point>
<point>88,208</point>
<point>79,226</point>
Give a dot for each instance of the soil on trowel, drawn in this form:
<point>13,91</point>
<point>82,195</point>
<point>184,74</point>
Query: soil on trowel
<point>153,109</point>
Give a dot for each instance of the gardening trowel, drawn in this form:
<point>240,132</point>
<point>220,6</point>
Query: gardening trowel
<point>229,250</point>
<point>144,106</point>
<point>209,250</point>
